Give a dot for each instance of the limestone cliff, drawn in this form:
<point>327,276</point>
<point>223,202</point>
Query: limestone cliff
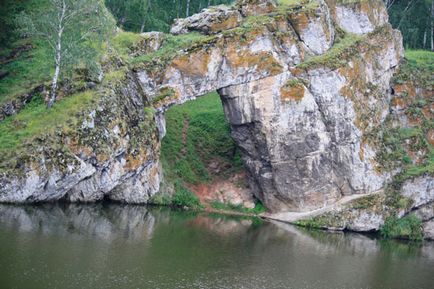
<point>304,86</point>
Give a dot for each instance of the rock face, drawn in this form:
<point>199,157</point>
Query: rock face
<point>407,204</point>
<point>303,86</point>
<point>296,100</point>
<point>113,153</point>
<point>209,21</point>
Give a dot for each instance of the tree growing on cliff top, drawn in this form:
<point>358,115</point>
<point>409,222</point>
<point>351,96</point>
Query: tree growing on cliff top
<point>74,31</point>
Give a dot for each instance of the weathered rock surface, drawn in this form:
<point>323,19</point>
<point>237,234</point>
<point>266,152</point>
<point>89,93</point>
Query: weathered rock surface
<point>408,156</point>
<point>112,154</point>
<point>301,97</point>
<point>358,17</point>
<point>209,21</point>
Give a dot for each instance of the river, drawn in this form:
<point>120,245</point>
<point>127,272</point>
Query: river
<point>116,246</point>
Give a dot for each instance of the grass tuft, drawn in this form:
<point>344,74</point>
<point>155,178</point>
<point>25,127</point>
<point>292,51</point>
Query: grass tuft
<point>183,197</point>
<point>258,209</point>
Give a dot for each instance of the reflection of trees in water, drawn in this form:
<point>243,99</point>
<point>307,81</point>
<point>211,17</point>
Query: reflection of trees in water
<point>106,222</point>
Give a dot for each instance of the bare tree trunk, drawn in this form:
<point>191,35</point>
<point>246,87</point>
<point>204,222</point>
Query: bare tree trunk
<point>432,25</point>
<point>178,11</point>
<point>424,40</point>
<point>57,57</point>
<point>389,3</point>
<point>55,80</point>
<point>188,8</point>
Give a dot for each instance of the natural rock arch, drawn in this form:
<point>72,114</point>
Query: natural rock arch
<point>300,104</point>
<point>299,123</point>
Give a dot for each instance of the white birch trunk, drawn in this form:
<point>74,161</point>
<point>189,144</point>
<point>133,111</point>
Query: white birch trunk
<point>57,57</point>
<point>188,8</point>
<point>424,40</point>
<point>432,25</point>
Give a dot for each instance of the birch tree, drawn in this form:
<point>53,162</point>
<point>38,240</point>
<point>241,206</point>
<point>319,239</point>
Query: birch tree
<point>71,28</point>
<point>187,12</point>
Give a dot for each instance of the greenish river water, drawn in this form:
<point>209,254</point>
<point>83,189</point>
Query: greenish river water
<point>115,246</point>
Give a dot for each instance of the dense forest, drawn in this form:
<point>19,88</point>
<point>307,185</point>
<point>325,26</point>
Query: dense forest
<point>415,19</point>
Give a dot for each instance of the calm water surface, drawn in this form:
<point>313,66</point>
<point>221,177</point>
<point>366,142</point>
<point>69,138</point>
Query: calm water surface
<point>114,246</point>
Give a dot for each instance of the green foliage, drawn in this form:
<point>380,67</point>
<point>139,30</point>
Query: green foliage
<point>30,69</point>
<point>258,209</point>
<point>185,198</point>
<point>35,120</point>
<point>290,2</point>
<point>197,134</point>
<point>115,76</point>
<point>408,227</point>
<point>393,155</point>
<point>9,10</point>
<point>29,62</point>
<point>75,31</point>
<point>25,62</point>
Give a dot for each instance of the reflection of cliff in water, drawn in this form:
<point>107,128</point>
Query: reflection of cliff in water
<point>106,222</point>
<point>136,223</point>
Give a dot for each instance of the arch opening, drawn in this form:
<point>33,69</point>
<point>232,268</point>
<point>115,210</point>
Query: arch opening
<point>199,154</point>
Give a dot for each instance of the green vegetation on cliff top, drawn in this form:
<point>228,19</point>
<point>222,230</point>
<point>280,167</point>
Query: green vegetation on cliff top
<point>418,67</point>
<point>36,121</point>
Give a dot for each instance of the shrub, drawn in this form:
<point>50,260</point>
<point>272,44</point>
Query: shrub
<point>408,227</point>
